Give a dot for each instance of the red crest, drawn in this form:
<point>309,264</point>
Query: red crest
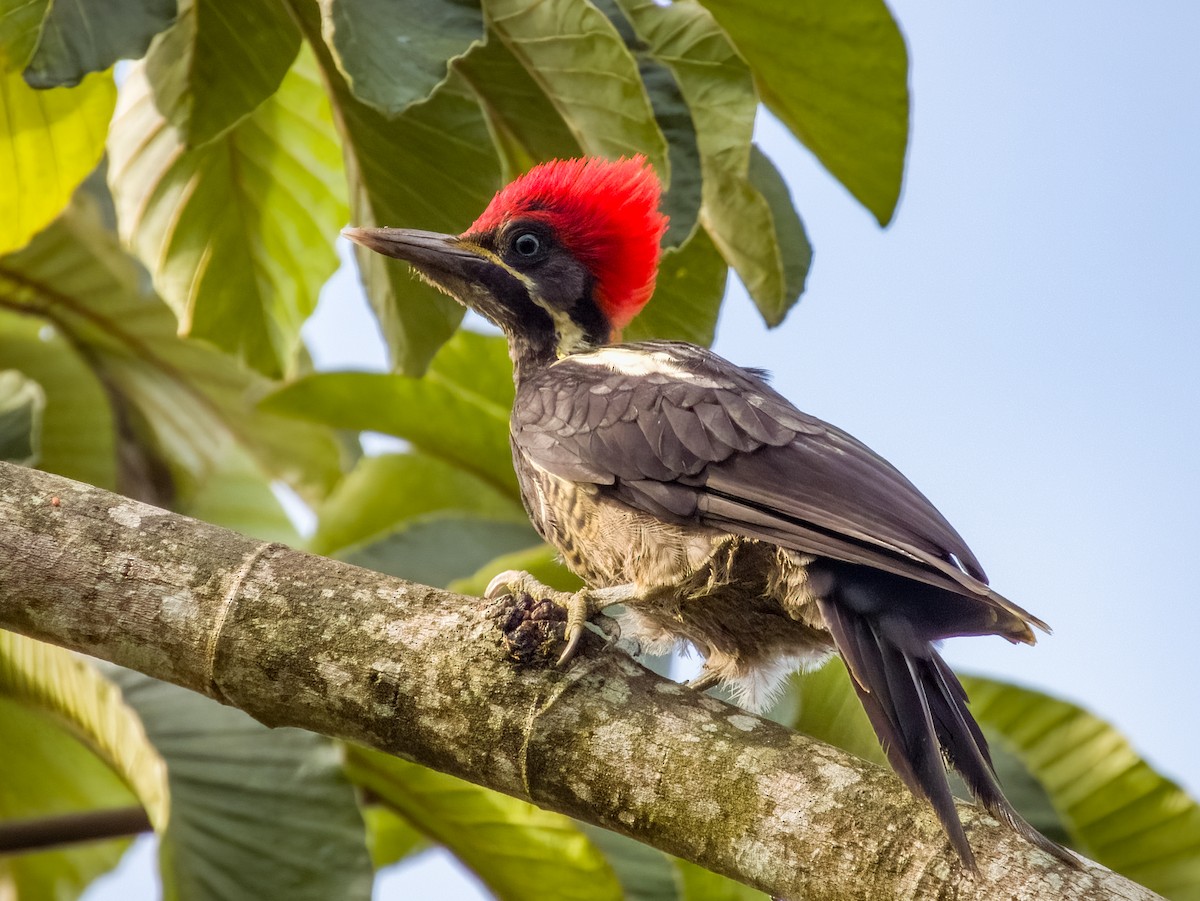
<point>605,213</point>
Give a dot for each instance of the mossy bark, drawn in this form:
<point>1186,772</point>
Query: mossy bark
<point>299,640</point>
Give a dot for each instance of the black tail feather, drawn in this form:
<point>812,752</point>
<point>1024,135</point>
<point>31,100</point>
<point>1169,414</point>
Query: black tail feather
<point>918,709</point>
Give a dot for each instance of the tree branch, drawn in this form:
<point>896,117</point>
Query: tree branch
<point>299,640</point>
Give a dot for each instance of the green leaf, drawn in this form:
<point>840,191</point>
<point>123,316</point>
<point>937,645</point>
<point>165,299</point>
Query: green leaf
<point>390,837</point>
<point>78,38</point>
<point>687,295</point>
<point>49,772</point>
<point>68,689</point>
<point>255,812</point>
<point>443,178</point>
<point>524,125</point>
<point>78,435</point>
<point>645,873</point>
<point>239,233</point>
<point>1117,808</point>
<point>826,707</point>
<point>795,252</point>
<point>20,27</point>
<point>22,402</point>
<point>540,561</point>
<point>836,73</point>
<point>746,208</point>
<point>181,399</point>
<point>439,550</point>
<point>237,496</point>
<point>700,884</point>
<point>575,54</point>
<point>388,492</point>
<point>509,844</point>
<point>218,62</point>
<point>49,142</point>
<point>458,412</point>
<point>394,53</point>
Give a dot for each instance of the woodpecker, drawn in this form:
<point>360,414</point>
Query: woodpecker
<point>691,492</point>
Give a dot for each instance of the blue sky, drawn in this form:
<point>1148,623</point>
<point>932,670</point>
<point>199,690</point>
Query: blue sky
<point>1023,342</point>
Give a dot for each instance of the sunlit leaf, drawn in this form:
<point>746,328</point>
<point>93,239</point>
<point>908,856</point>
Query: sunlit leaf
<point>187,399</point>
<point>433,167</point>
<point>575,54</point>
<point>645,873</point>
<point>457,412</point>
<point>540,561</point>
<point>746,209</point>
<point>78,437</point>
<point>525,126</point>
<point>239,233</point>
<point>700,884</point>
<point>391,491</point>
<point>795,252</point>
<point>687,295</point>
<point>237,496</point>
<point>218,62</point>
<point>390,837</point>
<point>22,402</point>
<point>49,772</point>
<point>394,53</point>
<point>71,691</point>
<point>20,27</point>
<point>82,37</point>
<point>255,812</point>
<point>518,850</point>
<point>49,142</point>
<point>836,73</point>
<point>1117,808</point>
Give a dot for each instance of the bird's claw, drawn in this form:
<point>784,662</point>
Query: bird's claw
<point>577,605</point>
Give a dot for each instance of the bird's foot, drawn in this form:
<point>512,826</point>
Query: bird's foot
<point>541,614</point>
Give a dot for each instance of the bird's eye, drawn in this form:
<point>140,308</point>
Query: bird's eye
<point>527,245</point>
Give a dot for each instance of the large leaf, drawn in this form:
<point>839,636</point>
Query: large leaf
<point>255,812</point>
<point>390,837</point>
<point>439,550</point>
<point>78,38</point>
<point>71,691</point>
<point>509,844</point>
<point>747,212</point>
<point>20,27</point>
<point>385,493</point>
<point>239,233</point>
<point>237,496</point>
<point>183,398</point>
<point>795,251</point>
<point>366,35</point>
<point>457,412</point>
<point>687,295</point>
<point>433,167</point>
<point>700,884</point>
<point>836,73</point>
<point>525,126</point>
<point>69,745</point>
<point>78,435</point>
<point>49,142</point>
<point>22,401</point>
<point>218,62</point>
<point>48,772</point>
<point>1116,807</point>
<point>540,561</point>
<point>575,54</point>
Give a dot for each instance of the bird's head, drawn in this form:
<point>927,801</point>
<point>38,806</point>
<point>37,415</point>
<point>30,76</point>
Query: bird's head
<point>561,260</point>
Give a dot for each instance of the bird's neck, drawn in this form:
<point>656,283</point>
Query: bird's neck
<point>531,353</point>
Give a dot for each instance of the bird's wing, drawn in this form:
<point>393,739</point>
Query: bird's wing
<point>678,432</point>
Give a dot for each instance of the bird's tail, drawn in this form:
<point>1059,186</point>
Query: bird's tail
<point>918,709</point>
